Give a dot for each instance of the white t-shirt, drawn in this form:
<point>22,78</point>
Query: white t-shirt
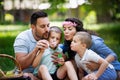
<point>89,55</point>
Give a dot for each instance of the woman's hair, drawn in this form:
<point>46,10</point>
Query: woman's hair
<point>79,25</point>
<point>85,38</point>
<point>55,29</point>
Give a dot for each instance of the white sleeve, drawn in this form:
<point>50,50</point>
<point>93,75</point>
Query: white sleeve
<point>92,56</point>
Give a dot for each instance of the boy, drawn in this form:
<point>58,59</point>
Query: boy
<point>81,43</point>
<point>45,68</point>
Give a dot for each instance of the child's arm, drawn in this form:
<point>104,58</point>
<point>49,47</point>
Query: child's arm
<point>103,65</point>
<point>37,59</point>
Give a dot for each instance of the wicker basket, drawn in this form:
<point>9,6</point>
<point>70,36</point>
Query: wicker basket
<point>17,72</point>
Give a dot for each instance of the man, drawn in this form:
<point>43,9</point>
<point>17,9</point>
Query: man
<point>28,43</point>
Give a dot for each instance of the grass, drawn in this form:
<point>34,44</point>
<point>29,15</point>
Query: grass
<point>109,32</point>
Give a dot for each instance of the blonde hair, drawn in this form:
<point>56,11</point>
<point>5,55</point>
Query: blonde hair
<point>85,38</point>
<point>55,29</point>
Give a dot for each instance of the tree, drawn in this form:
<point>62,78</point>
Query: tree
<point>105,9</point>
<point>2,12</point>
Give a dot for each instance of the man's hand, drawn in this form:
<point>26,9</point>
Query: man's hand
<point>42,44</point>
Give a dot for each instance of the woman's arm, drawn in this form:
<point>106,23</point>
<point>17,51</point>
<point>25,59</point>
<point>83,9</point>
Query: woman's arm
<point>102,49</point>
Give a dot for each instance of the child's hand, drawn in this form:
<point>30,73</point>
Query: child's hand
<point>61,61</point>
<point>91,76</point>
<point>63,55</point>
<point>57,60</point>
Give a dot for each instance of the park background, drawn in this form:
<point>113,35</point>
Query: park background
<point>102,16</point>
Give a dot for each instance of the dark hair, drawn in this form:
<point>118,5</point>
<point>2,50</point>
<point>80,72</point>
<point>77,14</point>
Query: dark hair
<point>79,26</point>
<point>36,15</point>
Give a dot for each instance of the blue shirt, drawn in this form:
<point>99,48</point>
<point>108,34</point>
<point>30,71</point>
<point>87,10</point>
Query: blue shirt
<point>25,43</point>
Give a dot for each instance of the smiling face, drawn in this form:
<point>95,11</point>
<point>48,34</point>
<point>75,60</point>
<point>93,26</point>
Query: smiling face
<point>54,39</point>
<point>69,32</point>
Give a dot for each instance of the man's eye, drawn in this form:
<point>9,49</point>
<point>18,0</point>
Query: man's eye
<point>42,26</point>
<point>48,25</point>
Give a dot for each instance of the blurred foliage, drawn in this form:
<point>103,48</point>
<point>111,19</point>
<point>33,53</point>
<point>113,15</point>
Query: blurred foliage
<point>56,6</point>
<point>91,18</point>
<point>9,18</point>
<point>106,10</point>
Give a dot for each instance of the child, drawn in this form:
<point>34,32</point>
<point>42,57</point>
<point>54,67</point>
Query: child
<point>45,68</point>
<point>81,43</point>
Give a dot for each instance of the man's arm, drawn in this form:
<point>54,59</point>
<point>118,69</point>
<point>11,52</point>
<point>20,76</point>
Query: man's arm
<point>26,60</point>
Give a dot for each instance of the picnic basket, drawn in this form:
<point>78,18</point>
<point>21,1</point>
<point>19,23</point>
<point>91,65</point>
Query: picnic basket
<point>16,72</point>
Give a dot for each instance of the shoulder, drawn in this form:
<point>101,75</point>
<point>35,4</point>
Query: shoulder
<point>97,41</point>
<point>92,56</point>
<point>24,34</point>
<point>23,38</point>
<point>96,38</point>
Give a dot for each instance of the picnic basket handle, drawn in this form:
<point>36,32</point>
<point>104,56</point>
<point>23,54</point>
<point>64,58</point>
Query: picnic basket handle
<point>17,65</point>
<point>13,59</point>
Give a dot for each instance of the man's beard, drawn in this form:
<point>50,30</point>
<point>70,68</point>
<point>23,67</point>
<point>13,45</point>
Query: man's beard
<point>44,36</point>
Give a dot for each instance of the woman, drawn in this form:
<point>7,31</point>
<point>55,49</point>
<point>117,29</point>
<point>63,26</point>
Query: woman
<point>73,25</point>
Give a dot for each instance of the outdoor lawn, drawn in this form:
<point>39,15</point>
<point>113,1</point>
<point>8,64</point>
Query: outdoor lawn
<point>109,32</point>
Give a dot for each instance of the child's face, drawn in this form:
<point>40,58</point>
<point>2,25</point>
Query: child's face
<point>54,39</point>
<point>76,44</point>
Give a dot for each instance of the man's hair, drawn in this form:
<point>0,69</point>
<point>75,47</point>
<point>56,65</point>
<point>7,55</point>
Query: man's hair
<point>36,15</point>
<point>55,29</point>
<point>85,38</point>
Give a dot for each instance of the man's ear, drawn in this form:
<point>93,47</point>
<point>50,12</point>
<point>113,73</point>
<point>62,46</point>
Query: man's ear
<point>32,26</point>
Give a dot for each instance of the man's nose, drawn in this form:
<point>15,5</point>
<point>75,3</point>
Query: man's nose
<point>47,29</point>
